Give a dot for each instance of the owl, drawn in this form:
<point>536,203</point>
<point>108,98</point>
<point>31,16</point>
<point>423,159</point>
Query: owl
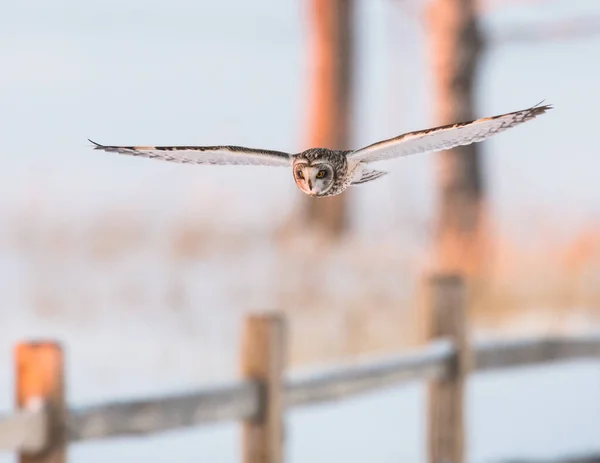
<point>321,172</point>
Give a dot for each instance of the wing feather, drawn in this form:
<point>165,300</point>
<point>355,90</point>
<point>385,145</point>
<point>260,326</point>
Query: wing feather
<point>218,155</point>
<point>445,137</point>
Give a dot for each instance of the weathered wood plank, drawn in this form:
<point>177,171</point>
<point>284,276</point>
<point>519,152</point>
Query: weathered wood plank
<point>40,380</point>
<point>339,383</point>
<point>240,400</point>
<point>447,317</point>
<point>263,360</point>
<point>138,417</point>
<point>501,354</point>
<point>25,431</point>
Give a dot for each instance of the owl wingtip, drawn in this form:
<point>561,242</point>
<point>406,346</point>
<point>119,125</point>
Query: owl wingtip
<point>542,108</point>
<point>96,145</point>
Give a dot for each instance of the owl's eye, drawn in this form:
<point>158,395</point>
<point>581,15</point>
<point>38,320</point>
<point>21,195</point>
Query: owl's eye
<point>299,174</point>
<point>321,174</point>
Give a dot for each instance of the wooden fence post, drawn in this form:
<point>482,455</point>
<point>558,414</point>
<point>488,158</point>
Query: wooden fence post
<point>40,377</point>
<point>263,359</point>
<point>447,318</point>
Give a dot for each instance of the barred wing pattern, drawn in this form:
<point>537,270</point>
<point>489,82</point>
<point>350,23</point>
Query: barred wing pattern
<point>218,155</point>
<point>445,137</point>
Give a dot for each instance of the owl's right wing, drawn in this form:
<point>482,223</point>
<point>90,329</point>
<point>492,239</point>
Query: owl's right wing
<point>219,155</point>
<point>445,137</point>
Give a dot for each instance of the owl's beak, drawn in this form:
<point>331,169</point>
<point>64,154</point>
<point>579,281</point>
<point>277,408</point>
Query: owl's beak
<point>310,184</point>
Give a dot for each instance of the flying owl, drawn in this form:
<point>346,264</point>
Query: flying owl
<point>321,172</point>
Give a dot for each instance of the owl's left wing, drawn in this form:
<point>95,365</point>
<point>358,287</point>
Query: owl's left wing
<point>220,155</point>
<point>445,137</point>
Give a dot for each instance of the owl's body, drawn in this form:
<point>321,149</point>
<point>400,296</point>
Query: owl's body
<point>321,172</point>
<point>339,172</point>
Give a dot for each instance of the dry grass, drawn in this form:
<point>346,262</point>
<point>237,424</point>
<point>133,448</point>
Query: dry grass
<point>349,298</point>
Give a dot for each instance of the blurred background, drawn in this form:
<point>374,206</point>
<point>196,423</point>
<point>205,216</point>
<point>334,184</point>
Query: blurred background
<point>144,270</point>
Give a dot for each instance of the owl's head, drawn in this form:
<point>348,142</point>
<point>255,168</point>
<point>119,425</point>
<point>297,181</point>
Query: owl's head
<point>314,179</point>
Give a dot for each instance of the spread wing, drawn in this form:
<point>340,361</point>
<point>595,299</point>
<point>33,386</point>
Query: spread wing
<point>445,137</point>
<point>220,155</point>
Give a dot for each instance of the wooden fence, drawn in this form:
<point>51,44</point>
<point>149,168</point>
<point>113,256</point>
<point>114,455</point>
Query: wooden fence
<point>42,426</point>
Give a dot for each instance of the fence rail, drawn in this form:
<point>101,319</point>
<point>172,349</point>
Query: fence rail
<point>261,398</point>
